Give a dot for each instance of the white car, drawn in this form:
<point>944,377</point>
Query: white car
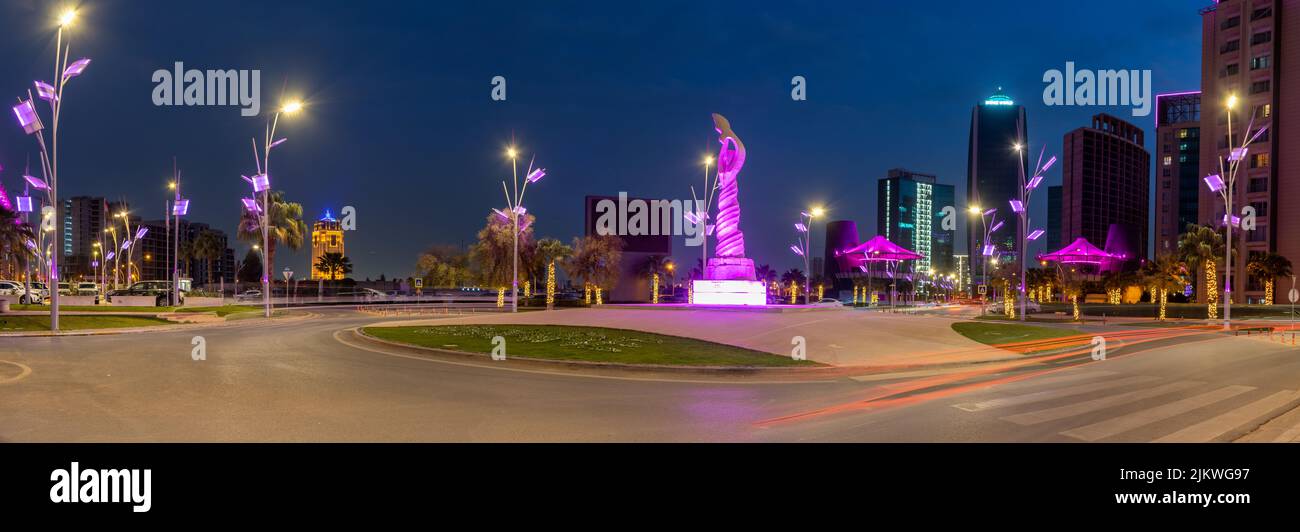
<point>1030,306</point>
<point>15,288</point>
<point>249,295</point>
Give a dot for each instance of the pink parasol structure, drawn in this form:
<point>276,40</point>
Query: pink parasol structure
<point>878,249</point>
<point>1080,252</point>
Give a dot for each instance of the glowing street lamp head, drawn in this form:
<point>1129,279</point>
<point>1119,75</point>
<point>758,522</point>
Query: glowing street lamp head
<point>511,152</point>
<point>974,209</point>
<point>1019,146</point>
<point>292,107</point>
<point>817,212</point>
<point>171,185</point>
<point>708,160</point>
<point>1232,101</point>
<point>67,17</point>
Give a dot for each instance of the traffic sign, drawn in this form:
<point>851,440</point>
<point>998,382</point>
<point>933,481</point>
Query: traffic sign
<point>419,282</point>
<point>984,289</point>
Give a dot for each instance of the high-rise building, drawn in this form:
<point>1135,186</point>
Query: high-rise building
<point>1053,239</point>
<point>840,234</point>
<point>1178,167</point>
<point>993,171</point>
<point>962,274</point>
<point>326,237</point>
<point>1106,176</point>
<point>1251,51</point>
<point>910,212</point>
<point>81,224</point>
<point>154,253</point>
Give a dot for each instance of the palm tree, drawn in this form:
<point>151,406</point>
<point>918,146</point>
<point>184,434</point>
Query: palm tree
<point>595,262</point>
<point>209,247</point>
<point>493,255</point>
<point>334,265</point>
<point>1268,267</point>
<point>443,266</point>
<point>284,219</point>
<point>14,236</point>
<point>1164,274</point>
<point>1202,246</point>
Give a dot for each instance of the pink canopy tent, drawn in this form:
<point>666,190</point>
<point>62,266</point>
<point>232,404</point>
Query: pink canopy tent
<point>1079,252</point>
<point>877,250</point>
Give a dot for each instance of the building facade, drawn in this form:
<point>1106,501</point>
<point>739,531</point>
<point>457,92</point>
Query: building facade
<point>81,224</point>
<point>1106,177</point>
<point>910,212</point>
<point>326,237</point>
<point>1053,239</point>
<point>993,171</point>
<point>1178,167</point>
<point>1250,51</point>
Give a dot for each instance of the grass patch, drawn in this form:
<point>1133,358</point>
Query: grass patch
<point>75,323</point>
<point>1006,333</point>
<point>590,344</point>
<point>1191,311</point>
<point>93,308</point>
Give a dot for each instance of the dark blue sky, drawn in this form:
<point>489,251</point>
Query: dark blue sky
<point>611,96</point>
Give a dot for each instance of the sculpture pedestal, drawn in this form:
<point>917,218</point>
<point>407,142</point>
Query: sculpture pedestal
<point>730,269</point>
<point>729,292</point>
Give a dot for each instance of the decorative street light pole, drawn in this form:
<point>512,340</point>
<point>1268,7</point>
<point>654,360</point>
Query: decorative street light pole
<point>180,207</point>
<point>804,247</point>
<point>31,124</point>
<point>1021,208</point>
<point>987,250</point>
<point>1224,183</point>
<point>514,205</point>
<point>262,185</point>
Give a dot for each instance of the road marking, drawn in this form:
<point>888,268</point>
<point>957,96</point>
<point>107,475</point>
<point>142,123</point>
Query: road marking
<point>23,371</point>
<point>1062,412</point>
<point>1048,395</point>
<point>1292,434</point>
<point>1058,379</point>
<point>1141,418</point>
<point>1219,425</point>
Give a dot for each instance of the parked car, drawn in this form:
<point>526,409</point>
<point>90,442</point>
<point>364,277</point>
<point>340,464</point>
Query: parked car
<point>15,288</point>
<point>1030,306</point>
<point>829,302</point>
<point>41,291</point>
<point>159,290</point>
<point>249,295</point>
<point>79,289</point>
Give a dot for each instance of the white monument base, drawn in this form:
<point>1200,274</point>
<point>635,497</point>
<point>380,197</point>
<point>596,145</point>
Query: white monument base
<point>729,292</point>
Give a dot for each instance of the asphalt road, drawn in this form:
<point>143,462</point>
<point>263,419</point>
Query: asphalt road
<point>297,381</point>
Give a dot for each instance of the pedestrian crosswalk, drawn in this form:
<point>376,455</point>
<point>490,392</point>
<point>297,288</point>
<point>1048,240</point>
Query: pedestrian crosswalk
<point>1100,405</point>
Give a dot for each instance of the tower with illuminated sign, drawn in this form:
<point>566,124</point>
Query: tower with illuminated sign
<point>326,237</point>
<point>993,169</point>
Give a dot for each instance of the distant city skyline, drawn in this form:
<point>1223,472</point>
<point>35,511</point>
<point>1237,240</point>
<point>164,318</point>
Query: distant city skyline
<point>611,98</point>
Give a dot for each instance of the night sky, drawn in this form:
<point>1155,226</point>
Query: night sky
<point>611,96</point>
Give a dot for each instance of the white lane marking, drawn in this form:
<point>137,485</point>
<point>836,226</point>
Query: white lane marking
<point>1219,425</point>
<point>23,371</point>
<point>1057,379</point>
<point>1142,418</point>
<point>1048,395</point>
<point>1062,412</point>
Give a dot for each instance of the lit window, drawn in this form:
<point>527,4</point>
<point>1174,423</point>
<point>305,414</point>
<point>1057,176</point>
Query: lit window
<point>1169,160</point>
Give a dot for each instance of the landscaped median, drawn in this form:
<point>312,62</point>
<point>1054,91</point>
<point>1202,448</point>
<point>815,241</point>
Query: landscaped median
<point>23,323</point>
<point>1017,337</point>
<point>584,344</point>
<point>36,318</point>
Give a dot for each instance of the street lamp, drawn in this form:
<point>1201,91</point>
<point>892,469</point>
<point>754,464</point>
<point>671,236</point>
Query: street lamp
<point>514,203</point>
<point>262,184</point>
<point>1020,207</point>
<point>804,246</point>
<point>987,248</point>
<point>699,218</point>
<point>1224,183</point>
<point>30,121</point>
<point>180,207</point>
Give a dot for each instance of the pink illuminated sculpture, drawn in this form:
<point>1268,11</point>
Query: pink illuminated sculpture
<point>730,277</point>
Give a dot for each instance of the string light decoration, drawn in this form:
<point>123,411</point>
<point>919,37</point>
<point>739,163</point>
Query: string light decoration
<point>855,295</point>
<point>1074,300</point>
<point>875,298</point>
<point>794,291</point>
<point>1212,289</point>
<point>1268,292</point>
<point>1164,299</point>
<point>586,298</point>
<point>599,299</point>
<point>654,290</point>
<point>820,292</point>
<point>528,289</point>
<point>550,285</point>
<point>501,296</point>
